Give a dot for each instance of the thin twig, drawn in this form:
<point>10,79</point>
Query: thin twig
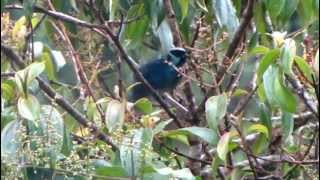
<point>62,102</point>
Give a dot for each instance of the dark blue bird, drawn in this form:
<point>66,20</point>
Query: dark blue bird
<point>160,73</point>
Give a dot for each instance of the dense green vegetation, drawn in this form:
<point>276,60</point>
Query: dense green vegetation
<point>246,106</point>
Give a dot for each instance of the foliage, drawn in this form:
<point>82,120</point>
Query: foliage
<point>248,100</point>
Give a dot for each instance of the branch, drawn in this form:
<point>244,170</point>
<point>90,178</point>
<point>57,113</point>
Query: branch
<point>238,35</point>
<point>114,38</point>
<point>298,88</point>
<point>59,99</point>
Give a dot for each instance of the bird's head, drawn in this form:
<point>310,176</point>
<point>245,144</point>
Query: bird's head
<point>177,56</point>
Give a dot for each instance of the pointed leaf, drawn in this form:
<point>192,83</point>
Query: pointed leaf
<point>29,107</point>
<point>222,147</point>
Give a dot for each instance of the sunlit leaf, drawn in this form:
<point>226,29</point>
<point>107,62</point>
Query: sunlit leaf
<point>222,147</point>
<point>114,115</point>
<point>144,105</point>
<point>259,128</point>
<point>266,61</point>
<point>29,107</point>
<point>184,5</point>
<point>288,52</point>
<point>215,108</point>
<point>304,67</point>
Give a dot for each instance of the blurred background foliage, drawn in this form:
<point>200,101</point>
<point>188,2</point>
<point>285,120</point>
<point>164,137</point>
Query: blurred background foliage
<point>40,140</point>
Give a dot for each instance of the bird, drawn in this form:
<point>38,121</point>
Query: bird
<point>161,74</point>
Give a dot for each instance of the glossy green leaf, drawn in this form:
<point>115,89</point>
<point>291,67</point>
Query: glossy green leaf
<point>259,50</point>
<point>226,16</point>
<point>259,128</point>
<point>205,134</point>
<point>184,6</point>
<point>135,31</point>
<point>222,147</point>
<point>49,66</point>
<point>240,92</point>
<point>269,78</point>
<point>259,18</point>
<point>266,61</point>
<point>114,116</point>
<point>215,108</point>
<point>29,107</point>
<point>274,7</point>
<point>307,11</point>
<point>304,67</point>
<point>288,52</point>
<point>284,96</point>
<point>288,9</point>
<point>144,105</point>
<point>287,124</point>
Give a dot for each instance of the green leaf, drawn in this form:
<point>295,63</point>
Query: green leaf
<point>287,124</point>
<point>7,89</point>
<point>222,147</point>
<point>184,6</point>
<point>265,117</point>
<point>226,15</point>
<point>25,76</point>
<point>288,9</point>
<point>135,31</point>
<point>205,134</point>
<point>133,150</point>
<point>113,171</point>
<point>283,95</point>
<point>266,61</point>
<point>29,107</point>
<point>215,108</point>
<point>28,7</point>
<point>304,67</point>
<point>274,7</point>
<point>144,105</point>
<point>114,116</point>
<point>49,66</point>
<point>202,5</point>
<point>239,92</point>
<point>307,11</point>
<point>259,50</point>
<point>276,92</point>
<point>288,52</point>
<point>259,128</point>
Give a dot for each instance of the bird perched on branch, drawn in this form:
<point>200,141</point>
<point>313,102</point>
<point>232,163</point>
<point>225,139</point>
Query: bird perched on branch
<point>161,73</point>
